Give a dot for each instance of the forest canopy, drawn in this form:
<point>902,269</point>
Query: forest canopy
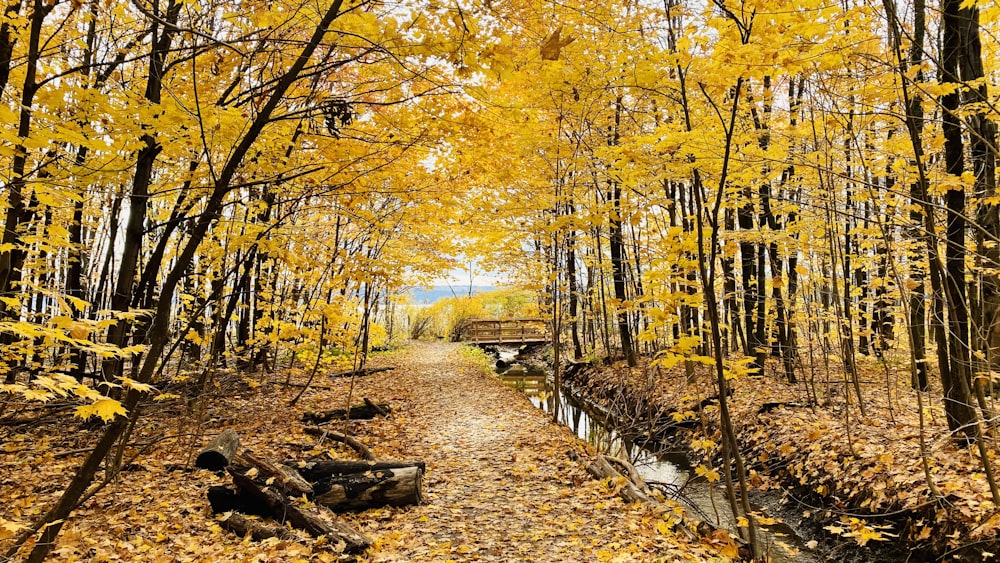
<point>201,184</point>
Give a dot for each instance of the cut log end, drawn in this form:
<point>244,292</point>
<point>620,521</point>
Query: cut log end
<point>219,452</point>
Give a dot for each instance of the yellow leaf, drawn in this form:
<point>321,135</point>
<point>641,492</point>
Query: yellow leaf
<point>730,550</point>
<point>663,527</point>
<point>133,384</point>
<point>710,475</point>
<point>766,520</point>
<point>105,408</point>
<point>80,331</point>
<point>86,392</point>
<point>36,394</point>
<point>8,528</point>
<point>553,44</point>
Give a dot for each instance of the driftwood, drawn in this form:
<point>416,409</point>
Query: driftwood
<point>318,470</point>
<point>634,489</point>
<point>267,488</point>
<point>258,530</point>
<point>371,489</point>
<point>365,411</point>
<point>219,452</point>
<point>343,438</point>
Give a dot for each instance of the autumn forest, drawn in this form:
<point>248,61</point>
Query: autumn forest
<point>784,213</point>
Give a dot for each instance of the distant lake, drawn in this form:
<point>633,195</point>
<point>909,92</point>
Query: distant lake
<point>425,296</point>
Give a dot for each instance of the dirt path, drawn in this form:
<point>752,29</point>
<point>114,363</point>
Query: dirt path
<point>499,485</point>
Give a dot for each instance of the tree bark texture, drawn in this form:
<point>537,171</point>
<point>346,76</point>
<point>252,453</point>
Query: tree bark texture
<point>371,489</point>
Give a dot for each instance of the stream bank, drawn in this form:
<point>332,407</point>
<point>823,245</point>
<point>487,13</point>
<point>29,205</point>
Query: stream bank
<point>851,488</point>
<point>657,438</point>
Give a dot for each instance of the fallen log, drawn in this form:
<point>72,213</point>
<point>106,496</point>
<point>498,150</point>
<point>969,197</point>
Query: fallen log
<point>371,489</point>
<point>360,372</point>
<point>317,522</point>
<point>343,438</point>
<point>377,408</point>
<point>318,470</point>
<point>219,452</point>
<point>636,490</point>
<point>224,499</point>
<point>365,411</point>
<point>285,478</point>
<point>768,407</point>
<point>241,526</point>
<point>632,490</point>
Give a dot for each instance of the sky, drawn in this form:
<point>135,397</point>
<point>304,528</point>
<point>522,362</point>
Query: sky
<point>460,277</point>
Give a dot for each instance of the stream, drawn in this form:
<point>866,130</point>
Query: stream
<point>672,469</point>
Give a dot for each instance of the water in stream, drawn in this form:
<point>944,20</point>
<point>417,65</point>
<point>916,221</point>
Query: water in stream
<point>671,469</point>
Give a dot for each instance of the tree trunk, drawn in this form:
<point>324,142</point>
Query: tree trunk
<point>983,152</point>
<point>917,300</point>
<point>616,244</point>
<point>13,255</point>
<point>750,279</point>
<point>121,299</point>
<point>956,381</point>
<point>318,522</point>
<point>159,332</point>
<point>573,290</point>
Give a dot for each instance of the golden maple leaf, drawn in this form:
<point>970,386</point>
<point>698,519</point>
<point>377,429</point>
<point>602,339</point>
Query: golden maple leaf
<point>553,44</point>
<point>105,408</point>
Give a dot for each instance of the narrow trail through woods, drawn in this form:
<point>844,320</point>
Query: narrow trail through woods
<point>499,484</point>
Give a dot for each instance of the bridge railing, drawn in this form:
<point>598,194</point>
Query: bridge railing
<point>505,331</point>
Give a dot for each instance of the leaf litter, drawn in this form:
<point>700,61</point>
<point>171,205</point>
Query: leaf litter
<point>500,485</point>
<point>857,477</point>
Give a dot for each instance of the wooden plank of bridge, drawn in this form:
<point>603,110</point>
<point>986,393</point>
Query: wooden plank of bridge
<point>505,331</point>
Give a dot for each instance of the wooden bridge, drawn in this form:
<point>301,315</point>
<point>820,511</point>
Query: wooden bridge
<point>513,332</point>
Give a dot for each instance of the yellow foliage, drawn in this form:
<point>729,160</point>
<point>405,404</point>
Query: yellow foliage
<point>104,408</point>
